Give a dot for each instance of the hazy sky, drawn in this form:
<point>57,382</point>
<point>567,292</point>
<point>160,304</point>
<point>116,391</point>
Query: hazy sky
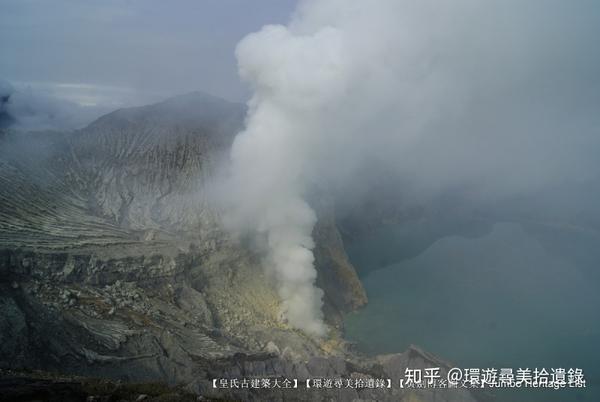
<point>120,52</point>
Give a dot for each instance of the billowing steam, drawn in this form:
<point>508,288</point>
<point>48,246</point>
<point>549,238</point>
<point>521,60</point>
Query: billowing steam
<point>442,93</point>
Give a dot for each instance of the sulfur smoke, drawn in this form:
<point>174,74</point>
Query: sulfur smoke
<point>442,93</point>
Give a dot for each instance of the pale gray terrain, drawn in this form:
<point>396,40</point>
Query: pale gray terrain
<point>114,263</point>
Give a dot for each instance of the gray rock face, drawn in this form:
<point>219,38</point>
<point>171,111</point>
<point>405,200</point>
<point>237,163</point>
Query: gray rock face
<point>114,264</point>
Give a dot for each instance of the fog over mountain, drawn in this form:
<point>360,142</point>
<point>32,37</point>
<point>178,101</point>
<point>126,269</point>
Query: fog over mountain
<point>24,108</point>
<point>312,146</point>
<point>496,104</point>
<point>492,101</point>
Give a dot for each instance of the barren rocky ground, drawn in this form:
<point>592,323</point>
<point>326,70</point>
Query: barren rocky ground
<point>114,264</point>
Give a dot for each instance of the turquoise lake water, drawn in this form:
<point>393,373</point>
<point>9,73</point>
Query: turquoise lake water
<point>519,296</point>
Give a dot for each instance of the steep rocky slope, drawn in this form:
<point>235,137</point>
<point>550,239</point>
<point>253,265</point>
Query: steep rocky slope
<point>113,262</point>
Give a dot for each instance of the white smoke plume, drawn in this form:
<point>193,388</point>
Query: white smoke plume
<point>444,93</point>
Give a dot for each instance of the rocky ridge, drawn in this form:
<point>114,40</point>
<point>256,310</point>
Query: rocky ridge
<point>113,262</point>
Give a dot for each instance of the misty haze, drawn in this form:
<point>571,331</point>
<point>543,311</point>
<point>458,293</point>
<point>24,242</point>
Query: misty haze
<point>306,200</point>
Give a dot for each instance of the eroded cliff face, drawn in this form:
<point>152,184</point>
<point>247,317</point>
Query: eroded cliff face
<point>336,274</point>
<point>113,262</point>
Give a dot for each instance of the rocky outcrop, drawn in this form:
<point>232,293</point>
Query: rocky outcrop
<point>113,262</point>
<point>50,387</point>
<point>336,274</point>
<point>255,371</point>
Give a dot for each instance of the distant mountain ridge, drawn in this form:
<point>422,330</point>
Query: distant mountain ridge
<point>130,169</point>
